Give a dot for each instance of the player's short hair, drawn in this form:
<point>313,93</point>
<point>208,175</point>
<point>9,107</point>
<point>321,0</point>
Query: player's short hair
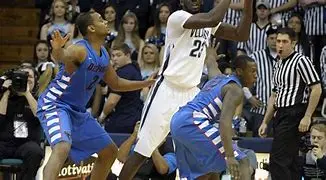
<point>83,21</point>
<point>123,47</point>
<point>287,31</point>
<point>241,61</point>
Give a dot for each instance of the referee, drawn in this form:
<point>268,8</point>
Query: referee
<point>294,79</point>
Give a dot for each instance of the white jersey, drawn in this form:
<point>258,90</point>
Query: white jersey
<point>185,51</point>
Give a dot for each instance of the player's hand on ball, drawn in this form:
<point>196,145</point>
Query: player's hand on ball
<point>58,41</point>
<point>233,166</point>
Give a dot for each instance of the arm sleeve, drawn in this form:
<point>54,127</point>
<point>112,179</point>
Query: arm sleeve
<point>178,19</point>
<point>171,160</point>
<point>307,71</point>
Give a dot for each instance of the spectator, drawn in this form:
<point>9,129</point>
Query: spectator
<point>232,17</point>
<point>257,38</point>
<point>149,64</point>
<point>156,33</point>
<point>139,7</point>
<point>42,56</point>
<point>266,60</point>
<point>315,23</point>
<point>20,130</point>
<point>281,11</point>
<point>123,109</point>
<point>128,34</point>
<point>303,45</point>
<point>58,21</point>
<point>45,66</point>
<point>315,159</point>
<point>158,167</point>
<point>110,16</point>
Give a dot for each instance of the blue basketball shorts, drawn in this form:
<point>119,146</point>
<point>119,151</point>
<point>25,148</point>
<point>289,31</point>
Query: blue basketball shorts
<point>62,124</point>
<point>198,145</point>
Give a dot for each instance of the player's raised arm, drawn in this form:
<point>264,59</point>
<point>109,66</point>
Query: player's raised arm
<point>119,84</point>
<point>233,95</point>
<point>72,54</point>
<point>209,19</point>
<point>242,31</point>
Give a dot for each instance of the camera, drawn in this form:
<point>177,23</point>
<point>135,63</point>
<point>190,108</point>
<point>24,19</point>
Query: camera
<point>19,80</point>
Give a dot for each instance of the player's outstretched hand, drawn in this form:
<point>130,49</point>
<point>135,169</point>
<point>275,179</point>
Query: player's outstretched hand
<point>233,166</point>
<point>58,41</point>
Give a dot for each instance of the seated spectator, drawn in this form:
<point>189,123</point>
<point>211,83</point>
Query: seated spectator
<point>258,36</point>
<point>123,109</point>
<point>128,34</point>
<point>46,68</point>
<point>149,64</point>
<point>158,167</point>
<point>42,57</point>
<point>303,45</point>
<point>315,24</point>
<point>281,11</point>
<point>20,130</point>
<point>110,16</point>
<point>156,33</point>
<point>58,21</point>
<point>315,159</point>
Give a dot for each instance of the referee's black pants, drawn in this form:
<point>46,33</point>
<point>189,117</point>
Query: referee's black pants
<point>284,163</point>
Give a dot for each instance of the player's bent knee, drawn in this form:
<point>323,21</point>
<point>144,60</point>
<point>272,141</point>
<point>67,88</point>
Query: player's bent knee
<point>111,151</point>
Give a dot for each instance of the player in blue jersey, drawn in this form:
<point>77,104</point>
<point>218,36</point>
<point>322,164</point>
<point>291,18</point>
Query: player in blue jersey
<point>202,129</point>
<point>69,129</point>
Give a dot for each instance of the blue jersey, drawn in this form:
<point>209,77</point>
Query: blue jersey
<point>209,100</point>
<point>77,88</point>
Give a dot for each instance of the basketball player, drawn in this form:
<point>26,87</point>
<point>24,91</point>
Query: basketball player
<point>187,37</point>
<point>202,129</point>
<point>69,128</point>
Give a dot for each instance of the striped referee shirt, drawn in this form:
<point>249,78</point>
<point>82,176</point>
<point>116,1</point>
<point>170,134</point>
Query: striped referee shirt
<point>265,63</point>
<point>232,16</point>
<point>285,14</point>
<point>323,67</point>
<point>315,20</point>
<point>291,79</point>
<point>257,39</point>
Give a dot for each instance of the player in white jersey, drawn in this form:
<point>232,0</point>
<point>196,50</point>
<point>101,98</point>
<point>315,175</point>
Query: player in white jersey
<point>187,37</point>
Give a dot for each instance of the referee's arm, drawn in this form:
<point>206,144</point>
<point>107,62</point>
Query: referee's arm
<point>311,78</point>
<point>270,108</point>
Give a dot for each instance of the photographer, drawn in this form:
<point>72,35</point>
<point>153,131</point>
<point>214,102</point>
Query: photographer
<point>315,159</point>
<point>20,131</point>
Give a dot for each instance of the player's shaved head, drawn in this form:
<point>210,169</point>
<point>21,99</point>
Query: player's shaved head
<point>83,21</point>
<point>241,61</point>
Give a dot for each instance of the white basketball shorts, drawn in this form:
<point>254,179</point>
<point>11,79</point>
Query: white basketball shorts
<point>164,99</point>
